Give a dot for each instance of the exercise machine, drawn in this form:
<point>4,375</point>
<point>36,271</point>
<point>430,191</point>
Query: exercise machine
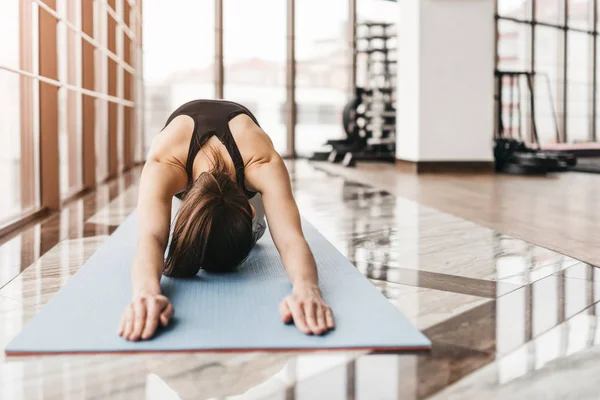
<point>512,154</point>
<point>369,117</point>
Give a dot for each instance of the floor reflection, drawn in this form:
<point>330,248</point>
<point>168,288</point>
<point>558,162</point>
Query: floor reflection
<point>561,363</point>
<point>384,235</point>
<point>500,312</point>
<point>25,247</point>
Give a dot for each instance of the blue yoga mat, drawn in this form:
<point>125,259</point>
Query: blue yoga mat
<point>215,312</point>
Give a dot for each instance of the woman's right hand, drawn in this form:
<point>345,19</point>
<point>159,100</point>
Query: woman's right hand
<point>141,318</point>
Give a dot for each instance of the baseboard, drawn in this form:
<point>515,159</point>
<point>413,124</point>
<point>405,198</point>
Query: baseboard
<point>445,167</point>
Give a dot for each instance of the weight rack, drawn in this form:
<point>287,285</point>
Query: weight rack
<point>376,118</point>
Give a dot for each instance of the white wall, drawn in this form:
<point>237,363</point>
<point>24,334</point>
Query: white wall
<point>445,80</point>
<point>408,89</point>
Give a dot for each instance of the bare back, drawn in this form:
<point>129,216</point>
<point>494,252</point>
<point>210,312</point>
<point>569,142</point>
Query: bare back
<point>223,126</point>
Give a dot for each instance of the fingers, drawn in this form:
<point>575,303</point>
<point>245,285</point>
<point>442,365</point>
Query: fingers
<point>166,315</point>
<point>152,316</point>
<point>310,312</point>
<point>298,316</point>
<point>139,320</point>
<point>122,323</point>
<point>315,317</point>
<point>329,318</point>
<point>311,316</point>
<point>320,317</point>
<point>286,313</point>
<point>129,315</point>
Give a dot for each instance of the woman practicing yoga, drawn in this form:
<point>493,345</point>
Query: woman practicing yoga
<point>215,157</point>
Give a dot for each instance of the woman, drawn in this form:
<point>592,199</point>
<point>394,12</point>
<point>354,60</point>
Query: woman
<point>217,159</point>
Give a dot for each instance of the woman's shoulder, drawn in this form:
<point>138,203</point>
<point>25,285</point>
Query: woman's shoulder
<point>255,146</point>
<point>172,142</point>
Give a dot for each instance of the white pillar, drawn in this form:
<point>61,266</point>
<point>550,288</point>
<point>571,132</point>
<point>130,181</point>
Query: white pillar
<point>445,89</point>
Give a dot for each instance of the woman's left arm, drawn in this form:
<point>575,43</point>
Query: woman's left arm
<point>305,305</point>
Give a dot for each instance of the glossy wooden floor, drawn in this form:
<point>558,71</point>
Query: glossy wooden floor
<point>507,318</point>
<point>558,211</point>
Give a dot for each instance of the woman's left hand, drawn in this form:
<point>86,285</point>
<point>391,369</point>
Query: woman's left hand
<point>306,308</point>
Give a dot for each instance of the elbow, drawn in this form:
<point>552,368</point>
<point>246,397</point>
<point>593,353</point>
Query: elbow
<point>152,240</point>
<point>161,241</point>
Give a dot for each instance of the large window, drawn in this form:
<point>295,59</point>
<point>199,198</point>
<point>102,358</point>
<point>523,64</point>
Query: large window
<point>69,102</point>
<point>214,49</point>
<point>560,58</point>
<point>254,59</point>
<point>179,55</point>
<point>548,83</point>
<point>18,128</point>
<point>10,129</point>
<point>322,71</point>
<point>58,136</point>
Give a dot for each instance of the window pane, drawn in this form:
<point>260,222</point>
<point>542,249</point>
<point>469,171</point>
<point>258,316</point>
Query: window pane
<point>120,94</point>
<point>515,9</point>
<point>10,151</point>
<point>578,87</point>
<point>516,110</point>
<point>254,56</point>
<point>549,82</point>
<point>69,102</point>
<point>120,51</point>
<point>101,85</point>
<point>101,139</point>
<point>514,49</point>
<point>514,46</point>
<point>550,11</point>
<point>322,72</point>
<point>581,14</point>
<point>178,58</point>
<point>18,130</point>
<point>10,125</point>
<point>120,131</point>
<point>9,32</point>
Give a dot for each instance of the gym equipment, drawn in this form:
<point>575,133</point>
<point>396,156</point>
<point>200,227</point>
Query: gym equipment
<point>215,312</point>
<point>369,117</point>
<point>515,156</point>
<point>587,164</point>
<point>354,142</point>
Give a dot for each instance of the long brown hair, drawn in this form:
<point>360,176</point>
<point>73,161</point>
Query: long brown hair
<point>213,227</point>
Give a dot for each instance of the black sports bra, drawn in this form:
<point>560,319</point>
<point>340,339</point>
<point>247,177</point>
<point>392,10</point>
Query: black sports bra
<point>211,117</point>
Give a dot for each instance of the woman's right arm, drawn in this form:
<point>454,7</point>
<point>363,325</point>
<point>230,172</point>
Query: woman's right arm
<point>157,187</point>
<point>161,179</point>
